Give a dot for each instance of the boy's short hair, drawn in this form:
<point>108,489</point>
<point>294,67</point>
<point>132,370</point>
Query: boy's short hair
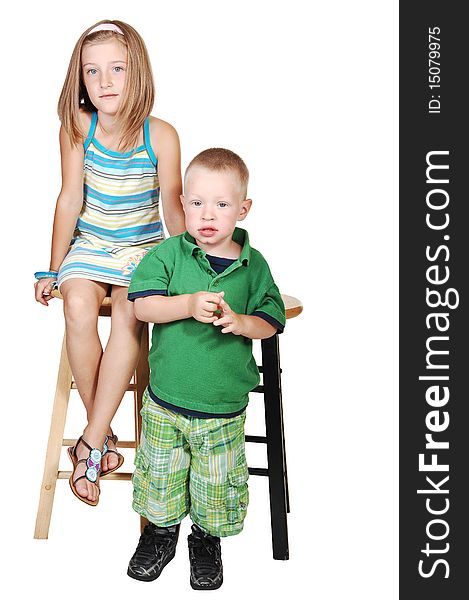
<point>221,159</point>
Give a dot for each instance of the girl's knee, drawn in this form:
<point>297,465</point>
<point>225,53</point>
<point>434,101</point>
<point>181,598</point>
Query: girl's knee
<point>123,315</point>
<point>81,301</point>
<point>78,310</point>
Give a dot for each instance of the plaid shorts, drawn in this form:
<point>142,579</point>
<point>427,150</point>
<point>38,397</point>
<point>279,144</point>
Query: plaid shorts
<point>189,465</point>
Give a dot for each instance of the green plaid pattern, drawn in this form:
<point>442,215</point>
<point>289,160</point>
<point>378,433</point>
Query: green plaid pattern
<point>189,465</point>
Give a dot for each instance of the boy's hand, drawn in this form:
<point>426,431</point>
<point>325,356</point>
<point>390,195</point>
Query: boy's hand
<point>229,320</point>
<point>202,305</point>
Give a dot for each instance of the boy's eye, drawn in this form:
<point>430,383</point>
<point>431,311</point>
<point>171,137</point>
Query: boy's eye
<point>196,203</point>
<point>222,204</point>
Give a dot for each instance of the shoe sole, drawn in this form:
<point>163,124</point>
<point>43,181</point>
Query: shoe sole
<point>151,577</point>
<point>195,586</point>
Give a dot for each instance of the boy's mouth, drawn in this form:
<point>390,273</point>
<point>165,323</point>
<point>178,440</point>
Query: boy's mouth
<point>207,231</point>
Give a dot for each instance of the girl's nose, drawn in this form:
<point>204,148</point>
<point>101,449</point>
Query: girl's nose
<point>105,81</point>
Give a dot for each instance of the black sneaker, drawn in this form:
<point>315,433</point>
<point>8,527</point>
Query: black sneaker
<point>205,559</point>
<point>156,547</point>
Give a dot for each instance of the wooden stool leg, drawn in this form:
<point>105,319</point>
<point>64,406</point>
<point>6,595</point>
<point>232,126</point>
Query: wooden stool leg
<point>275,447</point>
<point>142,376</point>
<point>54,446</point>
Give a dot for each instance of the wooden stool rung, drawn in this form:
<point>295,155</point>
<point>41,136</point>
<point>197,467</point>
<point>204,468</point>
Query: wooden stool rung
<point>129,444</point>
<point>132,387</point>
<point>114,476</point>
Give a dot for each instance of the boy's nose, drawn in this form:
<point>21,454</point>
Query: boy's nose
<point>207,215</point>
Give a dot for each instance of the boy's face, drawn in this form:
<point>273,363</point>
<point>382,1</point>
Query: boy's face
<point>213,203</point>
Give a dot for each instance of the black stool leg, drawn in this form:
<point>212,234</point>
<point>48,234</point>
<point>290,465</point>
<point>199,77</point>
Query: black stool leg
<point>275,447</point>
<point>287,494</point>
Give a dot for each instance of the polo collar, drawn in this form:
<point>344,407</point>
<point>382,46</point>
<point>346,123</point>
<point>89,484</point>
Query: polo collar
<point>240,236</point>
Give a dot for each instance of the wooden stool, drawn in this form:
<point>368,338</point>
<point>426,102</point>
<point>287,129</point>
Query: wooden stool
<point>276,470</point>
<point>65,383</point>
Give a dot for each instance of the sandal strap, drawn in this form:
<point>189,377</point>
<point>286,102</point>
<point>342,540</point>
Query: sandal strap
<point>84,477</point>
<point>113,439</point>
<point>93,463</point>
<point>82,441</point>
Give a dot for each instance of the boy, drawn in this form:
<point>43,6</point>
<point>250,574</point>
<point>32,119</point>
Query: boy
<point>209,294</point>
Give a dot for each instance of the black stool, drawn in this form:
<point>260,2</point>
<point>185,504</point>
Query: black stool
<point>275,438</point>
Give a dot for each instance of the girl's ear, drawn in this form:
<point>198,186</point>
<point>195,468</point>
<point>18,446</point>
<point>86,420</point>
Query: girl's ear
<point>244,209</point>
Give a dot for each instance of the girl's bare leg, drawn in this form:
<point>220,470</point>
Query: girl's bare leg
<point>82,300</point>
<point>117,365</point>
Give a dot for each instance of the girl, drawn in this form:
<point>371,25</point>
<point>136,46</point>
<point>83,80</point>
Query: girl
<point>115,160</point>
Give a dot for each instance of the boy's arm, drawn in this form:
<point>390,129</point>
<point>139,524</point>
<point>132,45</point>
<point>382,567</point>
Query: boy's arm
<point>165,309</point>
<point>248,326</point>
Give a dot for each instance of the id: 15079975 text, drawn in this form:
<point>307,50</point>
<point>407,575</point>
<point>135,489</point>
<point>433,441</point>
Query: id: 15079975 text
<point>434,78</point>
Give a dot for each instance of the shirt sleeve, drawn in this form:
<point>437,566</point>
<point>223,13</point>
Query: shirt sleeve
<point>271,308</point>
<point>151,277</point>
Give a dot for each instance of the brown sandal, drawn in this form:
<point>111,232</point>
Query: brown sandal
<point>120,458</point>
<point>93,463</point>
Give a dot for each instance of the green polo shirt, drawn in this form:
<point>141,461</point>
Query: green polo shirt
<point>192,364</point>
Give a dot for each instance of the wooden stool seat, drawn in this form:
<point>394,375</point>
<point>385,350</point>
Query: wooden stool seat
<point>274,438</point>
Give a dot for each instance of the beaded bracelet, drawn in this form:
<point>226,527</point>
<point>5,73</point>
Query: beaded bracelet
<point>46,275</point>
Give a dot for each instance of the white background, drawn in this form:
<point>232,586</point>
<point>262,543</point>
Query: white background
<point>306,93</point>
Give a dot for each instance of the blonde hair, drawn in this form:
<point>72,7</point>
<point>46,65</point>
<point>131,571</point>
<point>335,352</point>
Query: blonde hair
<point>221,159</point>
<point>139,90</point>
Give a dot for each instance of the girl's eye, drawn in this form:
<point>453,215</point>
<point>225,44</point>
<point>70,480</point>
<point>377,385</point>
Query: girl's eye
<point>118,69</point>
<point>92,71</point>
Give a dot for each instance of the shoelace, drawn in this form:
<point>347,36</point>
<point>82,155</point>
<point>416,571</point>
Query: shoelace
<point>153,536</point>
<point>206,552</point>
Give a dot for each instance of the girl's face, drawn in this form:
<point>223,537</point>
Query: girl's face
<point>104,67</point>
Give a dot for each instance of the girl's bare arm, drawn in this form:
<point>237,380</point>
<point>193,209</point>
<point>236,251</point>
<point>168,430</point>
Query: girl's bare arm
<point>70,200</point>
<point>67,209</point>
<point>165,141</point>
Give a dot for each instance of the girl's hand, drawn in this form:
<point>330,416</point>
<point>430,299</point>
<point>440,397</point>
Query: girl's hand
<point>43,289</point>
<point>229,320</point>
<point>202,305</point>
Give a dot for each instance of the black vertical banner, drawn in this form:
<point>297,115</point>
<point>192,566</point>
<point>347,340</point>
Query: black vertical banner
<point>434,354</point>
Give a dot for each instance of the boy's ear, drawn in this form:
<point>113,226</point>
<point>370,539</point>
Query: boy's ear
<point>244,209</point>
<point>181,197</point>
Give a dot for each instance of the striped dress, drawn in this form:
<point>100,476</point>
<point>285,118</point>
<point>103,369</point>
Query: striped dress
<point>120,219</point>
